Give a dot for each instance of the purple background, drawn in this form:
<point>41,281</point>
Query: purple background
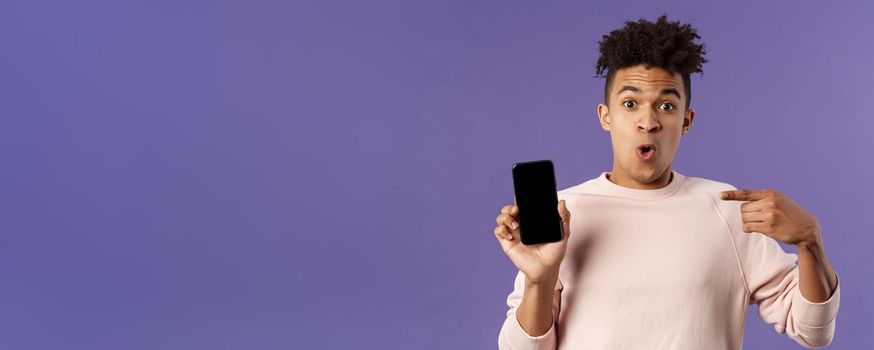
<point>325,175</point>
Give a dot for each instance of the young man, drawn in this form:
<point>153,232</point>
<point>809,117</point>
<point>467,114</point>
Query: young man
<point>654,259</point>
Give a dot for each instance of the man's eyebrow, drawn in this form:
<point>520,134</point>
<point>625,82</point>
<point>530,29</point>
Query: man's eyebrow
<point>671,91</point>
<point>628,88</point>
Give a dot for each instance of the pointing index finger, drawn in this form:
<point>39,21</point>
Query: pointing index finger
<point>742,195</point>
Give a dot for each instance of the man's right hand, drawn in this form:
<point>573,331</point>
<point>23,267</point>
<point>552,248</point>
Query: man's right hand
<point>539,262</point>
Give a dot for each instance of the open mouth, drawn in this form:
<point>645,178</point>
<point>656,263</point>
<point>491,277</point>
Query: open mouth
<point>646,151</point>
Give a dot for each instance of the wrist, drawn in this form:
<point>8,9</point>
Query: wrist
<point>546,282</point>
<point>813,240</point>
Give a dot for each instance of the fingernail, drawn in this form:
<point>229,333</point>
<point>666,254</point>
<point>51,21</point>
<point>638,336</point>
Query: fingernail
<point>514,225</point>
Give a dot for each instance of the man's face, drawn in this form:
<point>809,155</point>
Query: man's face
<point>645,106</point>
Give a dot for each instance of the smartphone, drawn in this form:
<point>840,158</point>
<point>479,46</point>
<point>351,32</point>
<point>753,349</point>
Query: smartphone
<point>537,199</point>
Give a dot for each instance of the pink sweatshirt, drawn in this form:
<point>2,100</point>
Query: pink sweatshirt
<point>668,268</point>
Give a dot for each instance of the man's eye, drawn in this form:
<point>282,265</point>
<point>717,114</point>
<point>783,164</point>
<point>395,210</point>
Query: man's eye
<point>668,106</point>
<point>628,104</point>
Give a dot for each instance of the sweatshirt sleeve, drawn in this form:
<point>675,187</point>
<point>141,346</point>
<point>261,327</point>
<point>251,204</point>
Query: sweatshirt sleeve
<point>512,336</point>
<point>772,278</point>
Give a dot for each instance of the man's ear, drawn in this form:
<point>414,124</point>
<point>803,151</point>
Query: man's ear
<point>604,116</point>
<point>687,120</point>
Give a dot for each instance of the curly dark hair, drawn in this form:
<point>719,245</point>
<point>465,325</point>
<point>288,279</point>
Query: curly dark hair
<point>663,44</point>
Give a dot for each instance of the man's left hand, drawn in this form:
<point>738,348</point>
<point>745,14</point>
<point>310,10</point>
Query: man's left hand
<point>776,215</point>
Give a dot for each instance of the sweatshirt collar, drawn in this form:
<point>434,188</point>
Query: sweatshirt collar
<point>609,188</point>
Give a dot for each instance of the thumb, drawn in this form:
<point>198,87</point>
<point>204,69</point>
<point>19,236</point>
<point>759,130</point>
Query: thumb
<point>565,219</point>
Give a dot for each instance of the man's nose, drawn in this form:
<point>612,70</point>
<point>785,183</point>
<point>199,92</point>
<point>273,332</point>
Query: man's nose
<point>649,123</point>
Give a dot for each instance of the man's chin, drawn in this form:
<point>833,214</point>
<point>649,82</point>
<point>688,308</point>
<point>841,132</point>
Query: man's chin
<point>647,174</point>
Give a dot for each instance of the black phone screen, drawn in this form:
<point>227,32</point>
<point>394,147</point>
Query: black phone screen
<point>537,199</point>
